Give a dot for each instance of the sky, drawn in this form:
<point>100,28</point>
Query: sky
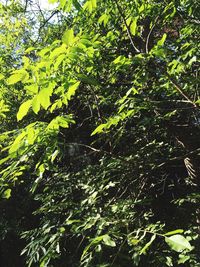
<point>45,4</point>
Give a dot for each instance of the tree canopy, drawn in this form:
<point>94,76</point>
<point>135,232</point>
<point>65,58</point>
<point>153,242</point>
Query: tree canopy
<point>100,133</point>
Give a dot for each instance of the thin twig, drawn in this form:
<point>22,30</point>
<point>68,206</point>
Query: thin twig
<point>26,5</point>
<point>44,24</point>
<point>194,152</point>
<point>97,104</point>
<point>127,28</point>
<point>180,90</point>
<point>38,5</point>
<point>149,34</point>
<point>101,151</point>
<point>117,254</point>
<point>89,147</point>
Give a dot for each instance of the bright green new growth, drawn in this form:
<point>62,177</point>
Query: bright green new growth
<point>99,108</point>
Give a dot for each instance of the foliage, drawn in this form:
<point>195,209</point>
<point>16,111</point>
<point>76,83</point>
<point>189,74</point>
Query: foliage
<point>99,108</point>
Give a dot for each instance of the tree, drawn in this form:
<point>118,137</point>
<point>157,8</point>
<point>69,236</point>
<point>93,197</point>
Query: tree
<point>106,142</point>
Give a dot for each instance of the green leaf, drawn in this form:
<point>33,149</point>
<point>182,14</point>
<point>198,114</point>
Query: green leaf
<point>58,61</point>
<point>128,21</point>
<point>103,19</point>
<point>57,51</point>
<point>52,1</point>
<point>53,125</point>
<point>63,2</point>
<point>142,8</point>
<point>28,50</point>
<point>60,121</point>
<point>133,26</point>
<point>54,155</point>
<point>198,101</point>
<point>99,129</point>
<point>14,79</point>
<point>178,243</point>
<point>1,76</point>
<point>23,109</point>
<point>134,241</point>
<point>62,229</point>
<point>169,262</point>
<point>63,121</point>
<point>44,96</point>
<point>4,160</point>
<point>144,249</point>
<point>87,79</point>
<point>193,59</point>
<point>94,3</point>
<point>108,241</point>
<point>94,241</point>
<point>19,75</point>
<point>178,231</point>
<point>72,89</point>
<point>17,143</point>
<point>159,52</point>
<point>68,37</point>
<point>7,193</point>
<point>183,259</point>
<point>77,5</point>
<point>30,135</point>
<point>33,88</point>
<point>36,104</point>
<point>162,40</point>
<point>90,5</point>
<point>119,59</point>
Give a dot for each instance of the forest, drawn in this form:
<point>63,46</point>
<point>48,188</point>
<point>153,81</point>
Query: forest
<point>100,133</point>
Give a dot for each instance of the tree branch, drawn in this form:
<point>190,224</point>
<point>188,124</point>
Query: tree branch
<point>26,5</point>
<point>149,34</point>
<point>194,152</point>
<point>44,23</point>
<point>180,90</point>
<point>127,28</point>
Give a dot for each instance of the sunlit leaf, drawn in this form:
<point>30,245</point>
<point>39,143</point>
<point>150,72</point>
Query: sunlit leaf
<point>183,259</point>
<point>57,51</point>
<point>178,243</point>
<point>99,129</point>
<point>6,194</point>
<point>162,40</point>
<point>63,2</point>
<point>68,37</point>
<point>36,104</point>
<point>108,241</point>
<point>14,78</point>
<point>178,231</point>
<point>72,89</point>
<point>87,79</point>
<point>33,88</point>
<point>52,1</point>
<point>17,143</point>
<point>144,249</point>
<point>23,109</point>
<point>133,26</point>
